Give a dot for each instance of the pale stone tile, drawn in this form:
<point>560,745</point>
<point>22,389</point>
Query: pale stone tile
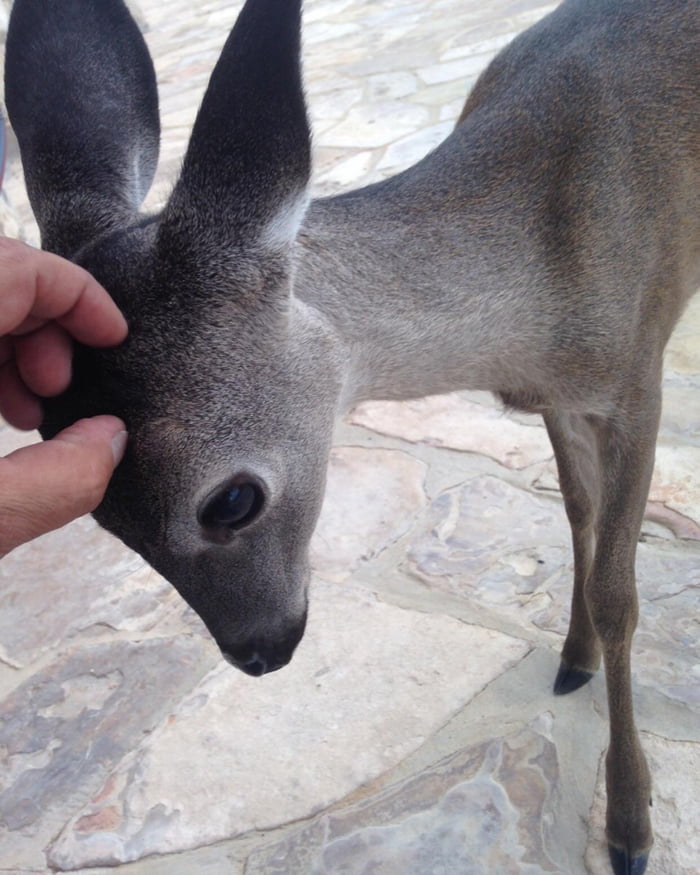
<point>326,81</point>
<point>372,499</point>
<point>683,352</point>
<point>680,422</point>
<point>376,124</point>
<point>499,548</point>
<point>325,32</point>
<point>325,10</point>
<point>12,439</point>
<point>454,70</point>
<point>411,149</point>
<point>675,766</point>
<point>507,551</point>
<point>332,106</point>
<point>666,646</point>
<point>675,482</point>
<point>664,486</point>
<point>478,811</point>
<point>348,173</point>
<point>454,422</point>
<point>68,726</point>
<point>485,47</point>
<point>256,753</point>
<point>451,111</point>
<point>48,601</point>
<point>391,86</point>
<point>178,119</point>
<point>439,96</point>
<point>469,35</point>
<point>526,13</point>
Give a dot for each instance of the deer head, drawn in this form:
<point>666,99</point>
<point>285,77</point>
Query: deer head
<point>227,382</point>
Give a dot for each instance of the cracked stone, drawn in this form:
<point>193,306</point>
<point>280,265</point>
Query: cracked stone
<point>472,812</point>
<point>495,546</point>
<point>455,422</point>
<point>230,780</point>
<point>683,353</point>
<point>454,70</point>
<point>100,583</point>
<point>411,149</point>
<point>507,551</point>
<point>372,499</point>
<point>675,766</point>
<point>68,726</point>
<point>376,124</point>
<point>675,482</point>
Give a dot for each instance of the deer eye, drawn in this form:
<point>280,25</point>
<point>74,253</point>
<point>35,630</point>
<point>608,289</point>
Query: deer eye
<point>231,508</point>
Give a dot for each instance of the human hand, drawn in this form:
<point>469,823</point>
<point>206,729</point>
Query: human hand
<point>44,302</point>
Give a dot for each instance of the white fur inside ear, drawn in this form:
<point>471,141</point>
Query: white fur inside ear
<point>282,229</point>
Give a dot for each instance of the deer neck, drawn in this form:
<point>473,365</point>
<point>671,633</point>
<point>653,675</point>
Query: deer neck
<point>423,301</point>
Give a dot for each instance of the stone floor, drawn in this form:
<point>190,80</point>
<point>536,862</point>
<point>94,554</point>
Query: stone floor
<point>415,731</point>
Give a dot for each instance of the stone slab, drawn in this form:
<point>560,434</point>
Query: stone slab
<point>497,547</point>
<point>506,551</point>
<point>243,754</point>
<point>675,483</point>
<point>457,423</point>
<point>52,596</point>
<point>372,498</point>
<point>484,810</point>
<point>675,767</point>
<point>69,725</point>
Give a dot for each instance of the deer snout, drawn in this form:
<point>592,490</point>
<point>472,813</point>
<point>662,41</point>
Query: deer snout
<point>259,655</point>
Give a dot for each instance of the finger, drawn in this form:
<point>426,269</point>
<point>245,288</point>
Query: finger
<point>43,286</point>
<point>44,486</point>
<point>43,360</point>
<point>18,405</point>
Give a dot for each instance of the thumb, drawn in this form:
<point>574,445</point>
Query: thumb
<point>46,485</point>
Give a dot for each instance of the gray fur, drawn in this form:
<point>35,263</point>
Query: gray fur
<point>543,252</point>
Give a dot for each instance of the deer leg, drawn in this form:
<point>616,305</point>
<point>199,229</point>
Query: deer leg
<point>626,451</point>
<point>576,451</point>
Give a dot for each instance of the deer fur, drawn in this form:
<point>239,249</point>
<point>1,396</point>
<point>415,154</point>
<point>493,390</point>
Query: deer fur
<point>543,252</point>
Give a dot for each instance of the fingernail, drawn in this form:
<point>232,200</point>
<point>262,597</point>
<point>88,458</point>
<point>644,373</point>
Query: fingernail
<point>119,446</point>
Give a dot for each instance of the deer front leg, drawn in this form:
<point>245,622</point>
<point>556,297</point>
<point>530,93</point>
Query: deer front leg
<point>575,446</point>
<point>626,450</point>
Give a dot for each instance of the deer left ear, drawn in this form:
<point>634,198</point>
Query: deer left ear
<point>248,163</point>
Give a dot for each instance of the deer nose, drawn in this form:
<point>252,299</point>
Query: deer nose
<point>252,661</point>
<point>257,659</point>
<point>259,656</point>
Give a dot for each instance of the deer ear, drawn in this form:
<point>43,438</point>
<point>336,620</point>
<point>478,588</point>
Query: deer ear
<point>82,98</point>
<point>247,166</point>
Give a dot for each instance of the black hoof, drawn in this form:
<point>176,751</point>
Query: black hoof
<point>622,864</point>
<point>570,679</point>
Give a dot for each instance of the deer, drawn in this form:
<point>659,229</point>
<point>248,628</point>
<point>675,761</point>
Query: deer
<point>543,252</point>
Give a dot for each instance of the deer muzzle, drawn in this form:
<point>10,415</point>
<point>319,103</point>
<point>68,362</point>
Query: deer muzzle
<point>260,655</point>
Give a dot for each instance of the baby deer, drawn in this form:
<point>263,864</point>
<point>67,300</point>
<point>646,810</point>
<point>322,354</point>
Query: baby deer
<point>543,252</point>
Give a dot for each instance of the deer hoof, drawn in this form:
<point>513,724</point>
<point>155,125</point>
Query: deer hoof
<point>569,679</point>
<point>623,864</point>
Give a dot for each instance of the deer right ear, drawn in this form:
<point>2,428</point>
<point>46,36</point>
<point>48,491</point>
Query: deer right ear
<point>248,163</point>
<point>81,96</point>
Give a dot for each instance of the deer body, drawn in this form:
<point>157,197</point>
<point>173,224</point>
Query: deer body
<point>475,269</point>
<point>543,252</point>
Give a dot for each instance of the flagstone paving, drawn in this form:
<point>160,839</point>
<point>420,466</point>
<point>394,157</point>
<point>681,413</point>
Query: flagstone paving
<point>415,730</point>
